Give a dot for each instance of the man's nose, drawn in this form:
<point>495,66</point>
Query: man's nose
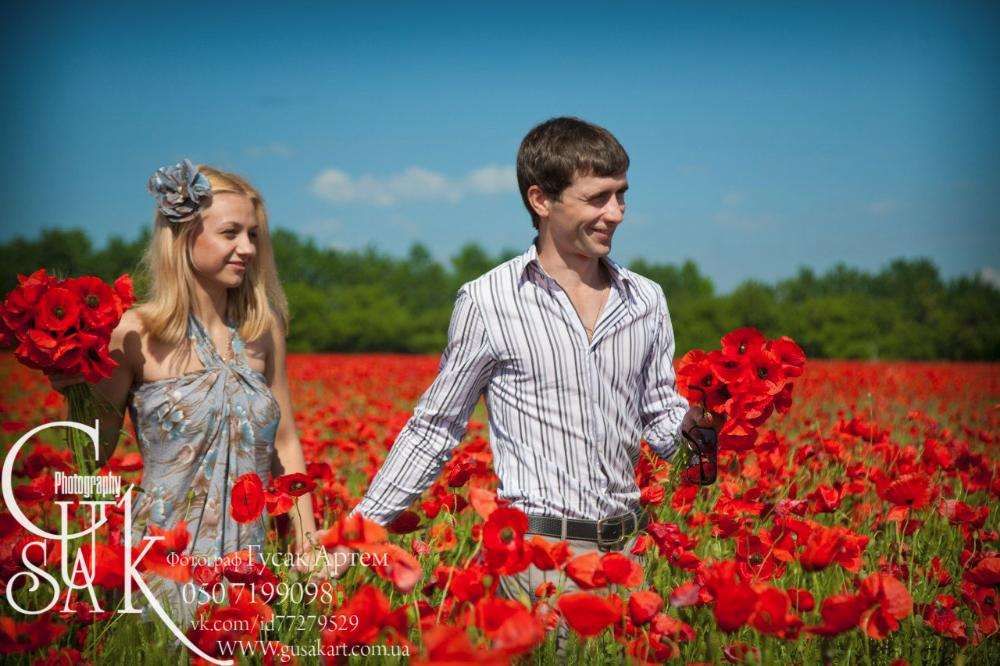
<point>615,210</point>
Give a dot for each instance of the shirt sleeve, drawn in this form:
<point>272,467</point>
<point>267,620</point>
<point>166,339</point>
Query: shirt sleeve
<point>662,408</point>
<point>439,420</point>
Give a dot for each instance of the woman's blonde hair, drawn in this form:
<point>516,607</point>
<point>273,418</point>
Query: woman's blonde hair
<point>253,307</point>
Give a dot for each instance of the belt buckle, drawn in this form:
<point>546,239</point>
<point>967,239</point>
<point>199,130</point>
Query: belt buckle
<point>611,545</point>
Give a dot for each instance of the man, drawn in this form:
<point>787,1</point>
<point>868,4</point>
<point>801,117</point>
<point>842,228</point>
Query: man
<point>573,353</point>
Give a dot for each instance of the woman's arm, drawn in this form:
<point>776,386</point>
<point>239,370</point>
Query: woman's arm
<point>288,450</point>
<point>125,348</point>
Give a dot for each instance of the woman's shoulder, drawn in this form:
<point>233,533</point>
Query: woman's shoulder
<point>273,335</point>
<point>130,325</point>
<point>131,336</point>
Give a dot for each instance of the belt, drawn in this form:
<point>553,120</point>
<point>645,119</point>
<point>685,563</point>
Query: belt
<point>607,533</point>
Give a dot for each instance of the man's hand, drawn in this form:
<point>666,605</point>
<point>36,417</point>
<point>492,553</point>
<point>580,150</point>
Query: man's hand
<point>333,565</point>
<point>696,416</point>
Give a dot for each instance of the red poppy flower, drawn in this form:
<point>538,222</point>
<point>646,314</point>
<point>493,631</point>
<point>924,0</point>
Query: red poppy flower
<point>742,341</point>
<point>686,594</point>
<point>664,625</point>
<point>802,599</point>
<point>371,609</point>
<point>484,502</point>
<point>547,555</point>
<point>247,498</point>
<point>295,484</point>
<point>394,564</point>
<point>101,305</point>
<point>352,531</point>
<point>124,291</point>
<point>503,541</point>
<point>406,522</point>
<point>765,376</point>
<point>960,513</point>
<point>912,491</point>
<point>789,354</point>
<point>622,570</point>
<point>58,310</point>
<point>737,434</point>
<point>447,644</point>
<point>174,542</point>
<point>511,627</point>
<point>985,573</point>
<point>820,548</point>
<point>277,502</point>
<point>466,584</point>
<point>772,615</point>
<point>756,556</point>
<point>729,369</point>
<point>941,617</point>
<point>587,614</point>
<point>88,356</point>
<point>734,599</point>
<point>19,308</point>
<point>37,349</point>
<point>840,613</point>
<point>586,571</point>
<point>28,636</point>
<point>892,603</point>
<point>643,605</point>
<point>128,462</point>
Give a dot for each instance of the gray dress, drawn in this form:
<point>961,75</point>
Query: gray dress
<point>197,434</point>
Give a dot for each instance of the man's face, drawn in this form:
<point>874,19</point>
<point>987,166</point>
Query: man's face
<point>584,218</point>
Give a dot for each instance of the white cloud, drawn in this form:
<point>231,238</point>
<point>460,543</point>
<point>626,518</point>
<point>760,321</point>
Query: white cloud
<point>492,180</point>
<point>412,184</point>
<point>990,276</point>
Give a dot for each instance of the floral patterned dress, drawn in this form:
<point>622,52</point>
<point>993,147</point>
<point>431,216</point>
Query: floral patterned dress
<point>197,434</point>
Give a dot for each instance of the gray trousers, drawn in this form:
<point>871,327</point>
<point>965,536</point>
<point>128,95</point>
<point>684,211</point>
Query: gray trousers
<point>521,587</point>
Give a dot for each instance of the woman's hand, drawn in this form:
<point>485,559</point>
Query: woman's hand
<point>61,382</point>
<point>322,564</point>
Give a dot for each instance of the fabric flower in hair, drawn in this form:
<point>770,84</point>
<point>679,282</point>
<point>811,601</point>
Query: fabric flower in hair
<point>181,191</point>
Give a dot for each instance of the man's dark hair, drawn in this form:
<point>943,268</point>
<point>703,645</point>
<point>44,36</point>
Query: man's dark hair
<point>553,152</point>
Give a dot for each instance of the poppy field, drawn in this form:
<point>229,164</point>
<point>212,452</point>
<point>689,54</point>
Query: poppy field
<point>860,527</point>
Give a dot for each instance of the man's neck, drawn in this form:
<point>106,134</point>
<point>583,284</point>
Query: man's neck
<point>571,269</point>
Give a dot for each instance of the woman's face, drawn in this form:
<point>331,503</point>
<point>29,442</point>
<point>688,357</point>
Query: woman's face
<point>225,244</point>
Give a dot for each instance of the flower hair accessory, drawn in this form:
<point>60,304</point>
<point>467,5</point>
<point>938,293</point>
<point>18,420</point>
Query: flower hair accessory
<point>181,191</point>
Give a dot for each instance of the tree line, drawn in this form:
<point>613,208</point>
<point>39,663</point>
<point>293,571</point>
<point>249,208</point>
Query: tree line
<point>367,300</point>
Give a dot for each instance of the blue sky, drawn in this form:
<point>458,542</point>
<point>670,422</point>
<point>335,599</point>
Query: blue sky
<point>763,136</point>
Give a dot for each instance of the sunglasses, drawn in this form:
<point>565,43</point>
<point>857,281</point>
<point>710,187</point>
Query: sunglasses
<point>702,463</point>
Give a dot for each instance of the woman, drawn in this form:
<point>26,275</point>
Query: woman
<point>201,367</point>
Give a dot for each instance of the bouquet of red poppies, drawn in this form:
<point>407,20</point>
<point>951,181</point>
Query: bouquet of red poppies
<point>745,381</point>
<point>63,326</point>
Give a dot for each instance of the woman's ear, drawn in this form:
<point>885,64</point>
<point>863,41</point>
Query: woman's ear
<point>539,201</point>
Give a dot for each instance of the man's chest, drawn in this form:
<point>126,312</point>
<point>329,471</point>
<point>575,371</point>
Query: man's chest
<point>542,343</point>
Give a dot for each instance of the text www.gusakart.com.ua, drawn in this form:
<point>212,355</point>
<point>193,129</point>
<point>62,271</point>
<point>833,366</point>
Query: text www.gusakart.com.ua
<point>286,653</point>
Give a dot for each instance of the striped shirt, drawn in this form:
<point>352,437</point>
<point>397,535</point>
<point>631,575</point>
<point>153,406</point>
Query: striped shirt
<point>566,414</point>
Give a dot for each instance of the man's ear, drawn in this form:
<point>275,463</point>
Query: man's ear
<point>539,201</point>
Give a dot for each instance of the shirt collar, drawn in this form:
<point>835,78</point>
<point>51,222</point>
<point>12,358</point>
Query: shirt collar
<point>619,274</point>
